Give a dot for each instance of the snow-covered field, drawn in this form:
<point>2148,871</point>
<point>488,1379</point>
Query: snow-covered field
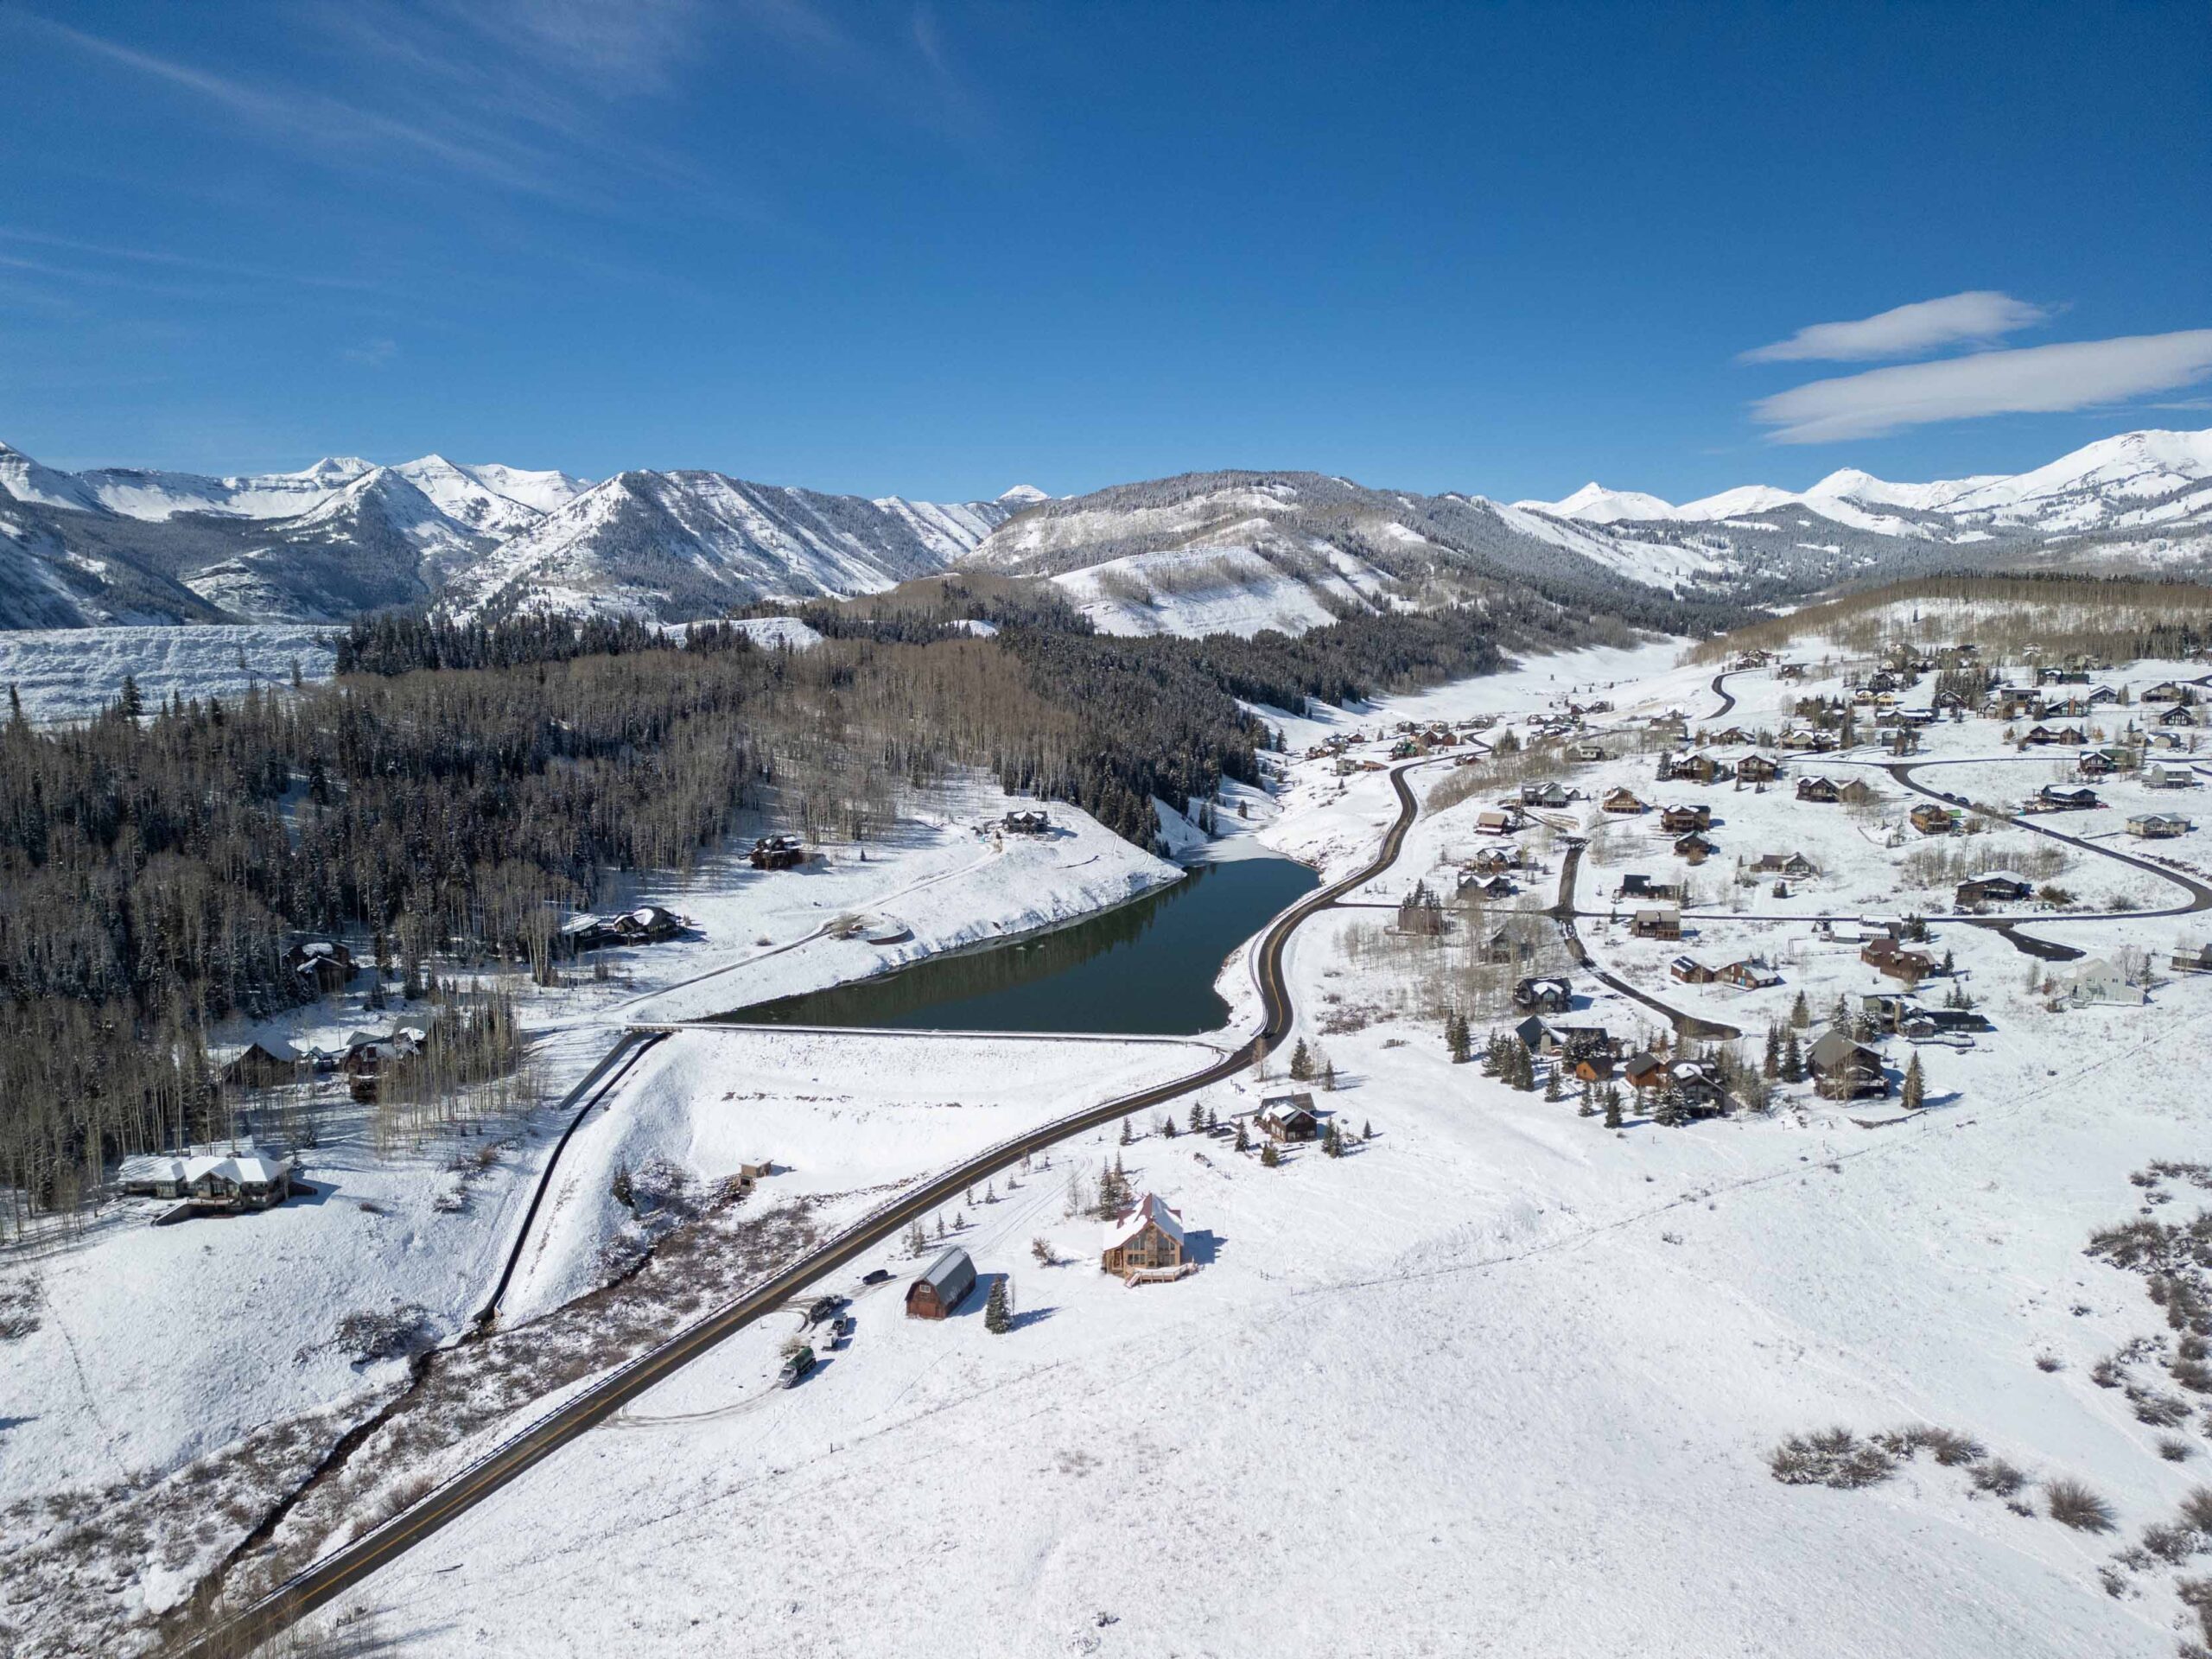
<point>1497,1380</point>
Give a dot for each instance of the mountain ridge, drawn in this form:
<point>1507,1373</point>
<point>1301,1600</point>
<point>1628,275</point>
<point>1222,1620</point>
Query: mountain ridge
<point>1235,550</point>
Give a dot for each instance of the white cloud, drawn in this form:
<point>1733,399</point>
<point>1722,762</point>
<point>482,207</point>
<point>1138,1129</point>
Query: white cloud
<point>2039,379</point>
<point>1908,331</point>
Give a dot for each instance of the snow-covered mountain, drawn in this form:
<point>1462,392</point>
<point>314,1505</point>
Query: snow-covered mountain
<point>347,535</point>
<point>2136,480</point>
<point>676,545</point>
<point>1235,550</point>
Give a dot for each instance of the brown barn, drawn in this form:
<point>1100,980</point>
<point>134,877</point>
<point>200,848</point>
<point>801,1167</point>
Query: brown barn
<point>941,1288</point>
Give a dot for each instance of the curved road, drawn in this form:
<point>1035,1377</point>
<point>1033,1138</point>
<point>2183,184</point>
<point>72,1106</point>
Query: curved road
<point>347,1566</point>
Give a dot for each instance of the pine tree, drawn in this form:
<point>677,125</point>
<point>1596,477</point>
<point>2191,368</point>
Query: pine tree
<point>1269,1158</point>
<point>998,1318</point>
<point>1589,1106</point>
<point>1128,1134</point>
<point>1301,1062</point>
<point>1839,1016</point>
<point>1552,1089</point>
<point>131,704</point>
<point>1612,1107</point>
<point>1793,1061</point>
<point>1800,1015</point>
<point>1243,1139</point>
<point>1914,1088</point>
<point>1328,1076</point>
<point>1332,1141</point>
<point>1197,1116</point>
<point>1770,1064</point>
<point>1366,1132</point>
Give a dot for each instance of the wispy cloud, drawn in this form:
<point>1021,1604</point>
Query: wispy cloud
<point>330,123</point>
<point>1979,316</point>
<point>256,274</point>
<point>2040,379</point>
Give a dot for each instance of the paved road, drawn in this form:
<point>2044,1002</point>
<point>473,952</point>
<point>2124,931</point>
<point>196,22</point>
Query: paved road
<point>2200,896</point>
<point>1727,697</point>
<point>349,1564</point>
<point>1689,1024</point>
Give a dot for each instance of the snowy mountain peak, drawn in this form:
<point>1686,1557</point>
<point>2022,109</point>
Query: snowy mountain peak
<point>1024,495</point>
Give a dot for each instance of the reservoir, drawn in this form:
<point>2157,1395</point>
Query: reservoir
<point>1144,967</point>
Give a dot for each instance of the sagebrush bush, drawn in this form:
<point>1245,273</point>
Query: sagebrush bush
<point>2071,1504</point>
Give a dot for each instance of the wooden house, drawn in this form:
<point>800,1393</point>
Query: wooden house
<point>1622,801</point>
<point>1758,769</point>
<point>1992,888</point>
<point>647,924</point>
<point>1844,1070</point>
<point>2193,959</point>
<point>1700,768</point>
<point>1689,970</point>
<point>1541,1036</point>
<point>261,1066</point>
<point>1490,888</point>
<point>942,1287</point>
<point>2157,826</point>
<point>212,1181</point>
<point>2176,716</point>
<point>1697,1083</point>
<point>1508,947</point>
<point>1027,821</point>
<point>1642,886</point>
<point>1587,752</point>
<point>2037,736</point>
<point>2165,692</point>
<point>779,853</point>
<point>2169,774</point>
<point>1543,996</point>
<point>1148,1238</point>
<point>1822,790</point>
<point>1498,821</point>
<point>1931,819</point>
<point>1289,1117</point>
<point>1681,819</point>
<point>323,963</point>
<point>1546,793</point>
<point>1892,961</point>
<point>1656,924</point>
<point>2053,798</point>
<point>1749,974</point>
<point>1695,848</point>
<point>1796,865</point>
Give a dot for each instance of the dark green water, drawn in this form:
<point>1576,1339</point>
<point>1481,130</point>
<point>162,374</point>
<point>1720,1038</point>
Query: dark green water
<point>1147,967</point>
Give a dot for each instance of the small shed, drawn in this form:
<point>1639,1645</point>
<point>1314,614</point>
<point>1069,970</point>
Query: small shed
<point>942,1286</point>
<point>259,1066</point>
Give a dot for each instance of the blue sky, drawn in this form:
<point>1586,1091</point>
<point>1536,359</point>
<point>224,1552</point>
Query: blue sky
<point>940,249</point>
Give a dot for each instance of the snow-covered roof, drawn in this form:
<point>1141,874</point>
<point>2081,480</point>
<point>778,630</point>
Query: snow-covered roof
<point>1151,1209</point>
<point>249,1168</point>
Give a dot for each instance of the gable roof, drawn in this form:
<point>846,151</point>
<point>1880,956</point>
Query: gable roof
<point>1152,1211</point>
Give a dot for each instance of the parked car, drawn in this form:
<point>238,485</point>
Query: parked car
<point>823,1307</point>
<point>878,1277</point>
<point>795,1367</point>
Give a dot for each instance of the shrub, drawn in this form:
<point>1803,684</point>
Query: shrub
<point>2160,1410</point>
<point>2173,1545</point>
<point>2071,1504</point>
<point>1834,1457</point>
<point>2197,1508</point>
<point>2176,1449</point>
<point>2050,1363</point>
<point>1998,1478</point>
